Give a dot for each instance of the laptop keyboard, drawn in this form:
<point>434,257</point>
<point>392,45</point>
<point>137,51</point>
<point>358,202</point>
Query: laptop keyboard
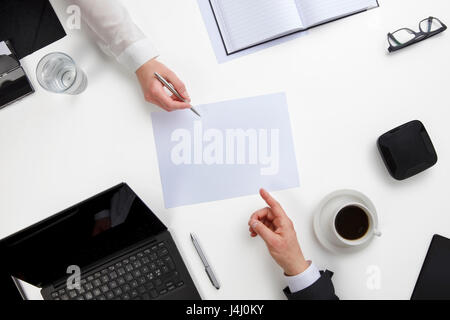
<point>146,274</point>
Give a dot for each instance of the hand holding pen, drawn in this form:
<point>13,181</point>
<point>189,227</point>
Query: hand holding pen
<point>154,91</point>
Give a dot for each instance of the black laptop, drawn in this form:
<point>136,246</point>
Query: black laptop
<point>121,248</point>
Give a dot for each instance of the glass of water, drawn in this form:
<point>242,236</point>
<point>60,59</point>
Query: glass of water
<point>58,73</point>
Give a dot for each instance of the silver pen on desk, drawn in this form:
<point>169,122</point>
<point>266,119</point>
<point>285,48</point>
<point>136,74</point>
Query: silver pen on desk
<point>175,92</point>
<point>208,269</point>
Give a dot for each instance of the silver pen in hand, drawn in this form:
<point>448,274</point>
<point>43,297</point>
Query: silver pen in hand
<point>170,87</point>
<point>208,269</point>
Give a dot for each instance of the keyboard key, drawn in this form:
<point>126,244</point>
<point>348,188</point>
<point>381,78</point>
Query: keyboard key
<point>121,281</point>
<point>134,294</point>
<point>145,260</point>
<point>129,267</point>
<point>134,284</point>
<point>163,291</point>
<point>149,286</point>
<point>89,296</point>
<point>113,284</point>
<point>101,297</point>
<point>169,262</point>
<point>117,291</point>
<point>113,275</point>
<point>133,258</point>
<point>104,288</point>
<point>153,256</point>
<point>96,292</point>
<point>180,284</point>
<point>128,277</point>
<point>171,288</point>
<point>158,282</point>
<point>88,286</point>
<point>90,278</point>
<point>161,244</point>
<point>141,290</point>
<point>126,296</point>
<point>97,275</point>
<point>72,294</point>
<point>121,271</point>
<point>64,297</point>
<point>54,294</point>
<point>126,288</point>
<point>104,278</point>
<point>142,280</point>
<point>136,273</point>
<point>109,295</point>
<point>145,270</point>
<point>163,252</point>
<point>96,283</point>
<point>153,293</point>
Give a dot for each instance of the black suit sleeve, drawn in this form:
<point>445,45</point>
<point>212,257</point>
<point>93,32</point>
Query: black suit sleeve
<point>322,289</point>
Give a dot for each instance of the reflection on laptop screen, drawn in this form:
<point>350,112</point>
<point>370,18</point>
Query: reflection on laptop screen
<point>81,235</point>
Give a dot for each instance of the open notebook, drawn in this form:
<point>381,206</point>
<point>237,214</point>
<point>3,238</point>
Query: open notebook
<point>247,23</point>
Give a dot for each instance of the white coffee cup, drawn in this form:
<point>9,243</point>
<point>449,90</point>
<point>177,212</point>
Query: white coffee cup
<point>333,236</point>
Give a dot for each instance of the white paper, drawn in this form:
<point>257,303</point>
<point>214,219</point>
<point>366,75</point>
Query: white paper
<point>314,12</point>
<point>236,148</point>
<point>246,23</point>
<point>216,40</point>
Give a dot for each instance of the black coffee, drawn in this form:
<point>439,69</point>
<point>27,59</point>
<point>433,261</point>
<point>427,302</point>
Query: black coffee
<point>351,223</point>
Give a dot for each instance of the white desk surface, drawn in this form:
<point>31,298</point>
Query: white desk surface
<point>343,91</point>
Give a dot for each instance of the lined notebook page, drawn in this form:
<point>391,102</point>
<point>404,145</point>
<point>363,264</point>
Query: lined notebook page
<point>317,11</point>
<point>244,23</point>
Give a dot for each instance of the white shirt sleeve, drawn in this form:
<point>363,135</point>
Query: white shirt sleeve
<point>116,32</point>
<point>304,279</point>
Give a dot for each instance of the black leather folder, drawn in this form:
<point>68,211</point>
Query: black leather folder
<point>29,25</point>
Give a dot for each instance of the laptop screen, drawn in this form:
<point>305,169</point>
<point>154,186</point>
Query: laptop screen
<point>80,235</point>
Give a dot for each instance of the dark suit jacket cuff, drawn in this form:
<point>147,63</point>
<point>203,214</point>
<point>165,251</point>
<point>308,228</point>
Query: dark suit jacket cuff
<point>322,289</point>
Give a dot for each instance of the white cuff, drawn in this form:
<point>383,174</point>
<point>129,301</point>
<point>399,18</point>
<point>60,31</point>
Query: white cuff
<point>304,279</point>
<point>137,54</point>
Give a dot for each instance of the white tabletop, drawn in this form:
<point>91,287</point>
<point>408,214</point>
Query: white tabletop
<point>343,91</point>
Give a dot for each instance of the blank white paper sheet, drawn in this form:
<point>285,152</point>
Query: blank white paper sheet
<point>234,149</point>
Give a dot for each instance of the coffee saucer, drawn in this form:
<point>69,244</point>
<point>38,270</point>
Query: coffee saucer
<point>330,203</point>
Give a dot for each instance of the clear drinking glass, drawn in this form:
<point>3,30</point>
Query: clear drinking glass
<point>58,73</point>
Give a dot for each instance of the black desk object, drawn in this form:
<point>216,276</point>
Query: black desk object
<point>29,25</point>
<point>407,150</point>
<point>14,83</point>
<point>434,277</point>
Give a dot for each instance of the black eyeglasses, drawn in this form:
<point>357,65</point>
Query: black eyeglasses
<point>405,37</point>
